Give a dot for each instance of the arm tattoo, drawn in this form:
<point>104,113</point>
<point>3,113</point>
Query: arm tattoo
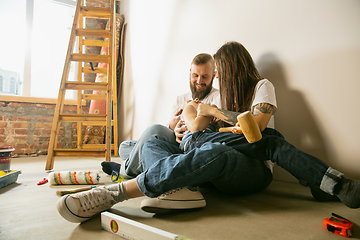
<point>228,116</point>
<point>263,108</point>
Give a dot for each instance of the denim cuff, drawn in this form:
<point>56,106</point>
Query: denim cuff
<point>141,185</point>
<point>331,178</point>
<point>123,171</point>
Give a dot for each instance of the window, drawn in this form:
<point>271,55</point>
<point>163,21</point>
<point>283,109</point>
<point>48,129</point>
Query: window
<point>1,83</point>
<point>36,39</point>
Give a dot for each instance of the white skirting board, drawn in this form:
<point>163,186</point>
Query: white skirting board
<point>132,230</point>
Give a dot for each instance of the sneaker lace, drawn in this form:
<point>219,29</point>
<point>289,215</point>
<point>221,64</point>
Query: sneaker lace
<point>94,198</point>
<point>170,192</point>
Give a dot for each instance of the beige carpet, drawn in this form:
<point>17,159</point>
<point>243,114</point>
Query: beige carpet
<point>283,211</point>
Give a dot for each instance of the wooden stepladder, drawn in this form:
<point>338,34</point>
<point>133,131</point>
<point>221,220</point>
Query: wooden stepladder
<point>83,37</point>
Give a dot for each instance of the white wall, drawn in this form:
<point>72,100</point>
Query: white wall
<point>309,49</point>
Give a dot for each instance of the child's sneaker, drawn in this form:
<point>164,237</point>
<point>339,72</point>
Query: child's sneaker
<point>80,207</point>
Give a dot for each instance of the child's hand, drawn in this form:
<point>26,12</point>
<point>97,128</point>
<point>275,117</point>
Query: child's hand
<point>205,110</point>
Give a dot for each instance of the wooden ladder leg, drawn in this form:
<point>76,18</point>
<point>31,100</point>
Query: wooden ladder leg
<point>110,79</point>
<point>61,96</point>
<point>82,119</point>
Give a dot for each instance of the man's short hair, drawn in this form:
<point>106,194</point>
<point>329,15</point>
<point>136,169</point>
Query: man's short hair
<point>203,58</point>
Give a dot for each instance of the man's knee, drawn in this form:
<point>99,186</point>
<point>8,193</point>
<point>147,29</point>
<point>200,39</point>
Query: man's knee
<point>160,132</point>
<point>125,148</point>
<point>157,129</point>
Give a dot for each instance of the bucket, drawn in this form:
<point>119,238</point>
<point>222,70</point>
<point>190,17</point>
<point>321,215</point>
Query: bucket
<point>5,157</point>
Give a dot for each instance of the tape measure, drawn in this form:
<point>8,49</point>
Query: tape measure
<point>339,225</point>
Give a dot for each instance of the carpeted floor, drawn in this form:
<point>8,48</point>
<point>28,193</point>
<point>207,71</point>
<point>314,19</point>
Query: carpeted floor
<point>283,211</point>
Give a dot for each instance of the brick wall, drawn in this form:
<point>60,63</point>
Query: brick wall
<point>27,127</point>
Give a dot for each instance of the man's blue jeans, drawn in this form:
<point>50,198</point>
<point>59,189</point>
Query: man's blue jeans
<point>213,156</point>
<point>131,151</point>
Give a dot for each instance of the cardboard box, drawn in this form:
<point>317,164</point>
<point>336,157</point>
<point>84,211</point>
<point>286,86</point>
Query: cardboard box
<point>132,230</point>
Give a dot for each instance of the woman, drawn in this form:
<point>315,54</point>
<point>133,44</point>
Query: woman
<point>213,156</point>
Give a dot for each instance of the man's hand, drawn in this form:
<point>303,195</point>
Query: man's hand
<point>179,131</point>
<point>175,119</point>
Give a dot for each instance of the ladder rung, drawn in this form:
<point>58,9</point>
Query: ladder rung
<point>90,146</point>
<point>93,42</point>
<point>78,57</point>
<point>94,97</point>
<point>93,33</point>
<point>101,86</point>
<point>94,123</point>
<point>84,118</point>
<point>95,12</point>
<point>97,70</point>
<point>80,152</point>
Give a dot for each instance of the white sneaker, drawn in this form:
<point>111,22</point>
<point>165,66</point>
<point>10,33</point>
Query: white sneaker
<point>181,198</point>
<point>79,207</point>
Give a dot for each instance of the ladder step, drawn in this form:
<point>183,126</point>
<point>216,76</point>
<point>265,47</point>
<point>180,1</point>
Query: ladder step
<point>93,42</point>
<point>95,12</point>
<point>80,152</point>
<point>78,57</point>
<point>97,123</point>
<point>85,118</point>
<point>99,146</point>
<point>94,97</point>
<point>101,86</point>
<point>93,33</point>
<point>97,70</point>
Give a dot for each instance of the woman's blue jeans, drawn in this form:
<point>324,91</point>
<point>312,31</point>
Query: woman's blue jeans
<point>215,157</point>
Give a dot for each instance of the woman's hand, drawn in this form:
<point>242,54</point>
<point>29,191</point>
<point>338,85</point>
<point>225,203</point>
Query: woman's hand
<point>236,129</point>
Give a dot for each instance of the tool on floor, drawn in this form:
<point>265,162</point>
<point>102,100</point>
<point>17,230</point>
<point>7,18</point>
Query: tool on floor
<point>338,225</point>
<point>45,180</point>
<point>8,177</point>
<point>129,229</point>
<point>74,178</point>
<point>116,177</point>
<point>85,37</point>
<point>69,191</point>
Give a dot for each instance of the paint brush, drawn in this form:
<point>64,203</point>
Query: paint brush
<point>69,191</point>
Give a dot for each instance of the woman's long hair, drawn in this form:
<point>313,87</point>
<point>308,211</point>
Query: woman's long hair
<point>237,75</point>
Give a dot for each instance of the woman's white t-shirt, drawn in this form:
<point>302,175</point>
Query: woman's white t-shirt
<point>265,93</point>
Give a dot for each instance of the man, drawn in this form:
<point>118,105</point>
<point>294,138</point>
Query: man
<point>202,73</point>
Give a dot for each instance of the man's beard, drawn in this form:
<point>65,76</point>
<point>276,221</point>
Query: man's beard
<point>200,94</point>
